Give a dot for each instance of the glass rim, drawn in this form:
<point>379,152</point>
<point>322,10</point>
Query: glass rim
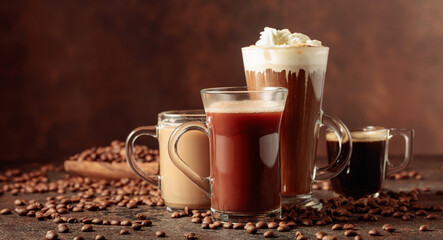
<point>182,113</point>
<point>368,129</point>
<point>280,47</point>
<point>243,90</point>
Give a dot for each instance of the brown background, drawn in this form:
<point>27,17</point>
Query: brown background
<point>76,74</point>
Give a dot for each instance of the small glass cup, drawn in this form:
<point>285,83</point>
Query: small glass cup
<point>369,164</point>
<point>177,190</point>
<point>243,128</point>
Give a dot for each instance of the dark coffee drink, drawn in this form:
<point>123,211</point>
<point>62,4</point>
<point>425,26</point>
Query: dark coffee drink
<point>364,173</point>
<point>245,169</point>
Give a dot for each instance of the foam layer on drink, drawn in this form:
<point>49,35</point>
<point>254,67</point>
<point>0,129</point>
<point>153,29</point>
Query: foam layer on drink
<point>245,106</point>
<point>363,135</point>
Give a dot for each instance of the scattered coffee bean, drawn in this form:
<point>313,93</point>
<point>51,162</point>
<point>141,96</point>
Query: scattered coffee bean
<point>175,215</point>
<point>125,223</point>
<point>62,228</point>
<point>5,211</point>
<point>283,228</point>
<point>115,222</point>
<point>358,237</point>
<point>51,235</point>
<point>374,232</point>
<point>388,228</point>
<point>261,224</point>
<point>100,237</point>
<point>58,220</point>
<point>161,234</point>
<point>146,222</point>
<point>424,228</point>
<point>71,220</point>
<point>350,233</point>
<point>141,216</point>
<point>319,235</point>
<point>329,237</point>
<point>78,238</point>
<point>397,214</point>
<point>348,226</point>
<point>272,225</point>
<point>437,207</point>
<point>307,222</point>
<point>238,226</point>
<point>21,211</point>
<point>301,237</point>
<point>124,231</point>
<point>97,221</point>
<point>190,236</point>
<point>196,220</point>
<point>431,216</point>
<point>251,229</point>
<point>228,225</point>
<point>217,224</point>
<point>87,228</point>
<point>136,227</point>
<point>336,227</point>
<point>269,234</point>
<point>421,212</point>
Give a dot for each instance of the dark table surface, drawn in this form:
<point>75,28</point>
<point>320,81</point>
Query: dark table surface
<point>16,227</point>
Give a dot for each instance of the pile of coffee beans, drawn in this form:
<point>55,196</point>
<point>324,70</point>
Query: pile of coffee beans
<point>115,152</point>
<point>406,175</point>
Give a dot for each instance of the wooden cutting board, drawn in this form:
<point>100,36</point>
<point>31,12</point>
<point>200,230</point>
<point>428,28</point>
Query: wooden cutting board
<point>96,169</point>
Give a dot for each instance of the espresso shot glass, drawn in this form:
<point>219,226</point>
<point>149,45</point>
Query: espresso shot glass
<point>177,190</point>
<point>369,164</point>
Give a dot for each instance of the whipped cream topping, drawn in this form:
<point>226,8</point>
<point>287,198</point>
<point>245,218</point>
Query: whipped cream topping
<point>274,37</point>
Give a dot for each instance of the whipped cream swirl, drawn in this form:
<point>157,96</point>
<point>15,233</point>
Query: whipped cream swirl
<point>284,38</point>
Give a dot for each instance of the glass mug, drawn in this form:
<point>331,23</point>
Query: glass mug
<point>177,190</point>
<point>302,70</point>
<point>369,163</point>
<point>243,129</point>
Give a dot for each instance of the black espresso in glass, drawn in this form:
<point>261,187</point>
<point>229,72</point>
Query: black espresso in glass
<point>369,164</point>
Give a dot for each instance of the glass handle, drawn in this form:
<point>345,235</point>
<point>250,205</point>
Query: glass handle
<point>200,182</point>
<point>130,155</point>
<point>344,148</point>
<point>408,135</point>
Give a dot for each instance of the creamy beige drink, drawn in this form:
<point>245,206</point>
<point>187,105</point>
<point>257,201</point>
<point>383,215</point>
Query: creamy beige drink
<point>177,190</point>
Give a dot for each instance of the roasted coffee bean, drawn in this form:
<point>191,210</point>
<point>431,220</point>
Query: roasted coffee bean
<point>51,235</point>
<point>374,232</point>
<point>196,220</point>
<point>272,225</point>
<point>406,217</point>
<point>62,228</point>
<point>190,236</point>
<point>125,223</point>
<point>58,220</point>
<point>78,238</point>
<point>291,224</point>
<point>218,224</point>
<point>320,223</point>
<point>348,226</point>
<point>269,234</point>
<point>228,225</point>
<point>106,222</point>
<point>124,231</point>
<point>97,221</point>
<point>329,237</point>
<point>207,219</point>
<point>21,211</point>
<point>342,219</point>
<point>251,229</point>
<point>175,215</point>
<point>431,216</point>
<point>205,225</point>
<point>141,216</point>
<point>31,213</point>
<point>301,237</point>
<point>358,237</point>
<point>136,227</point>
<point>72,220</point>
<point>397,214</point>
<point>5,211</point>
<point>131,205</point>
<point>307,222</point>
<point>87,228</point>
<point>424,228</point>
<point>100,237</point>
<point>19,202</point>
<point>115,222</point>
<point>388,228</point>
<point>350,233</point>
<point>161,234</point>
<point>283,228</point>
<point>261,224</point>
<point>336,227</point>
<point>238,226</point>
<point>437,207</point>
<point>421,212</point>
<point>320,235</point>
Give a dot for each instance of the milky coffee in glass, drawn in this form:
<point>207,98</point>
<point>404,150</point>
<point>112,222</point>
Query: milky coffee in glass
<point>294,61</point>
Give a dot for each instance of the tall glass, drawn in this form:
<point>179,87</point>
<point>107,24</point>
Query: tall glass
<point>301,70</point>
<point>243,128</point>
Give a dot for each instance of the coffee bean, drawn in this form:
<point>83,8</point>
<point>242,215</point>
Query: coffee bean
<point>406,217</point>
<point>160,234</point>
<point>207,219</point>
<point>301,237</point>
<point>272,225</point>
<point>5,211</point>
<point>350,233</point>
<point>205,225</point>
<point>319,235</point>
<point>227,225</point>
<point>100,237</point>
<point>437,207</point>
<point>348,226</point>
<point>72,220</point>
<point>283,228</point>
<point>136,227</point>
<point>388,228</point>
<point>424,228</point>
<point>269,234</point>
<point>397,214</point>
<point>78,238</point>
<point>19,202</point>
<point>58,220</point>
<point>190,236</point>
<point>62,228</point>
<point>374,232</point>
<point>87,228</point>
<point>307,222</point>
<point>329,237</point>
<point>115,222</point>
<point>51,235</point>
<point>421,212</point>
<point>320,223</point>
<point>125,223</point>
<point>431,216</point>
<point>175,215</point>
<point>261,224</point>
<point>358,237</point>
<point>238,226</point>
<point>124,231</point>
<point>251,229</point>
<point>131,205</point>
<point>141,216</point>
<point>336,227</point>
<point>196,220</point>
<point>21,211</point>
<point>97,221</point>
